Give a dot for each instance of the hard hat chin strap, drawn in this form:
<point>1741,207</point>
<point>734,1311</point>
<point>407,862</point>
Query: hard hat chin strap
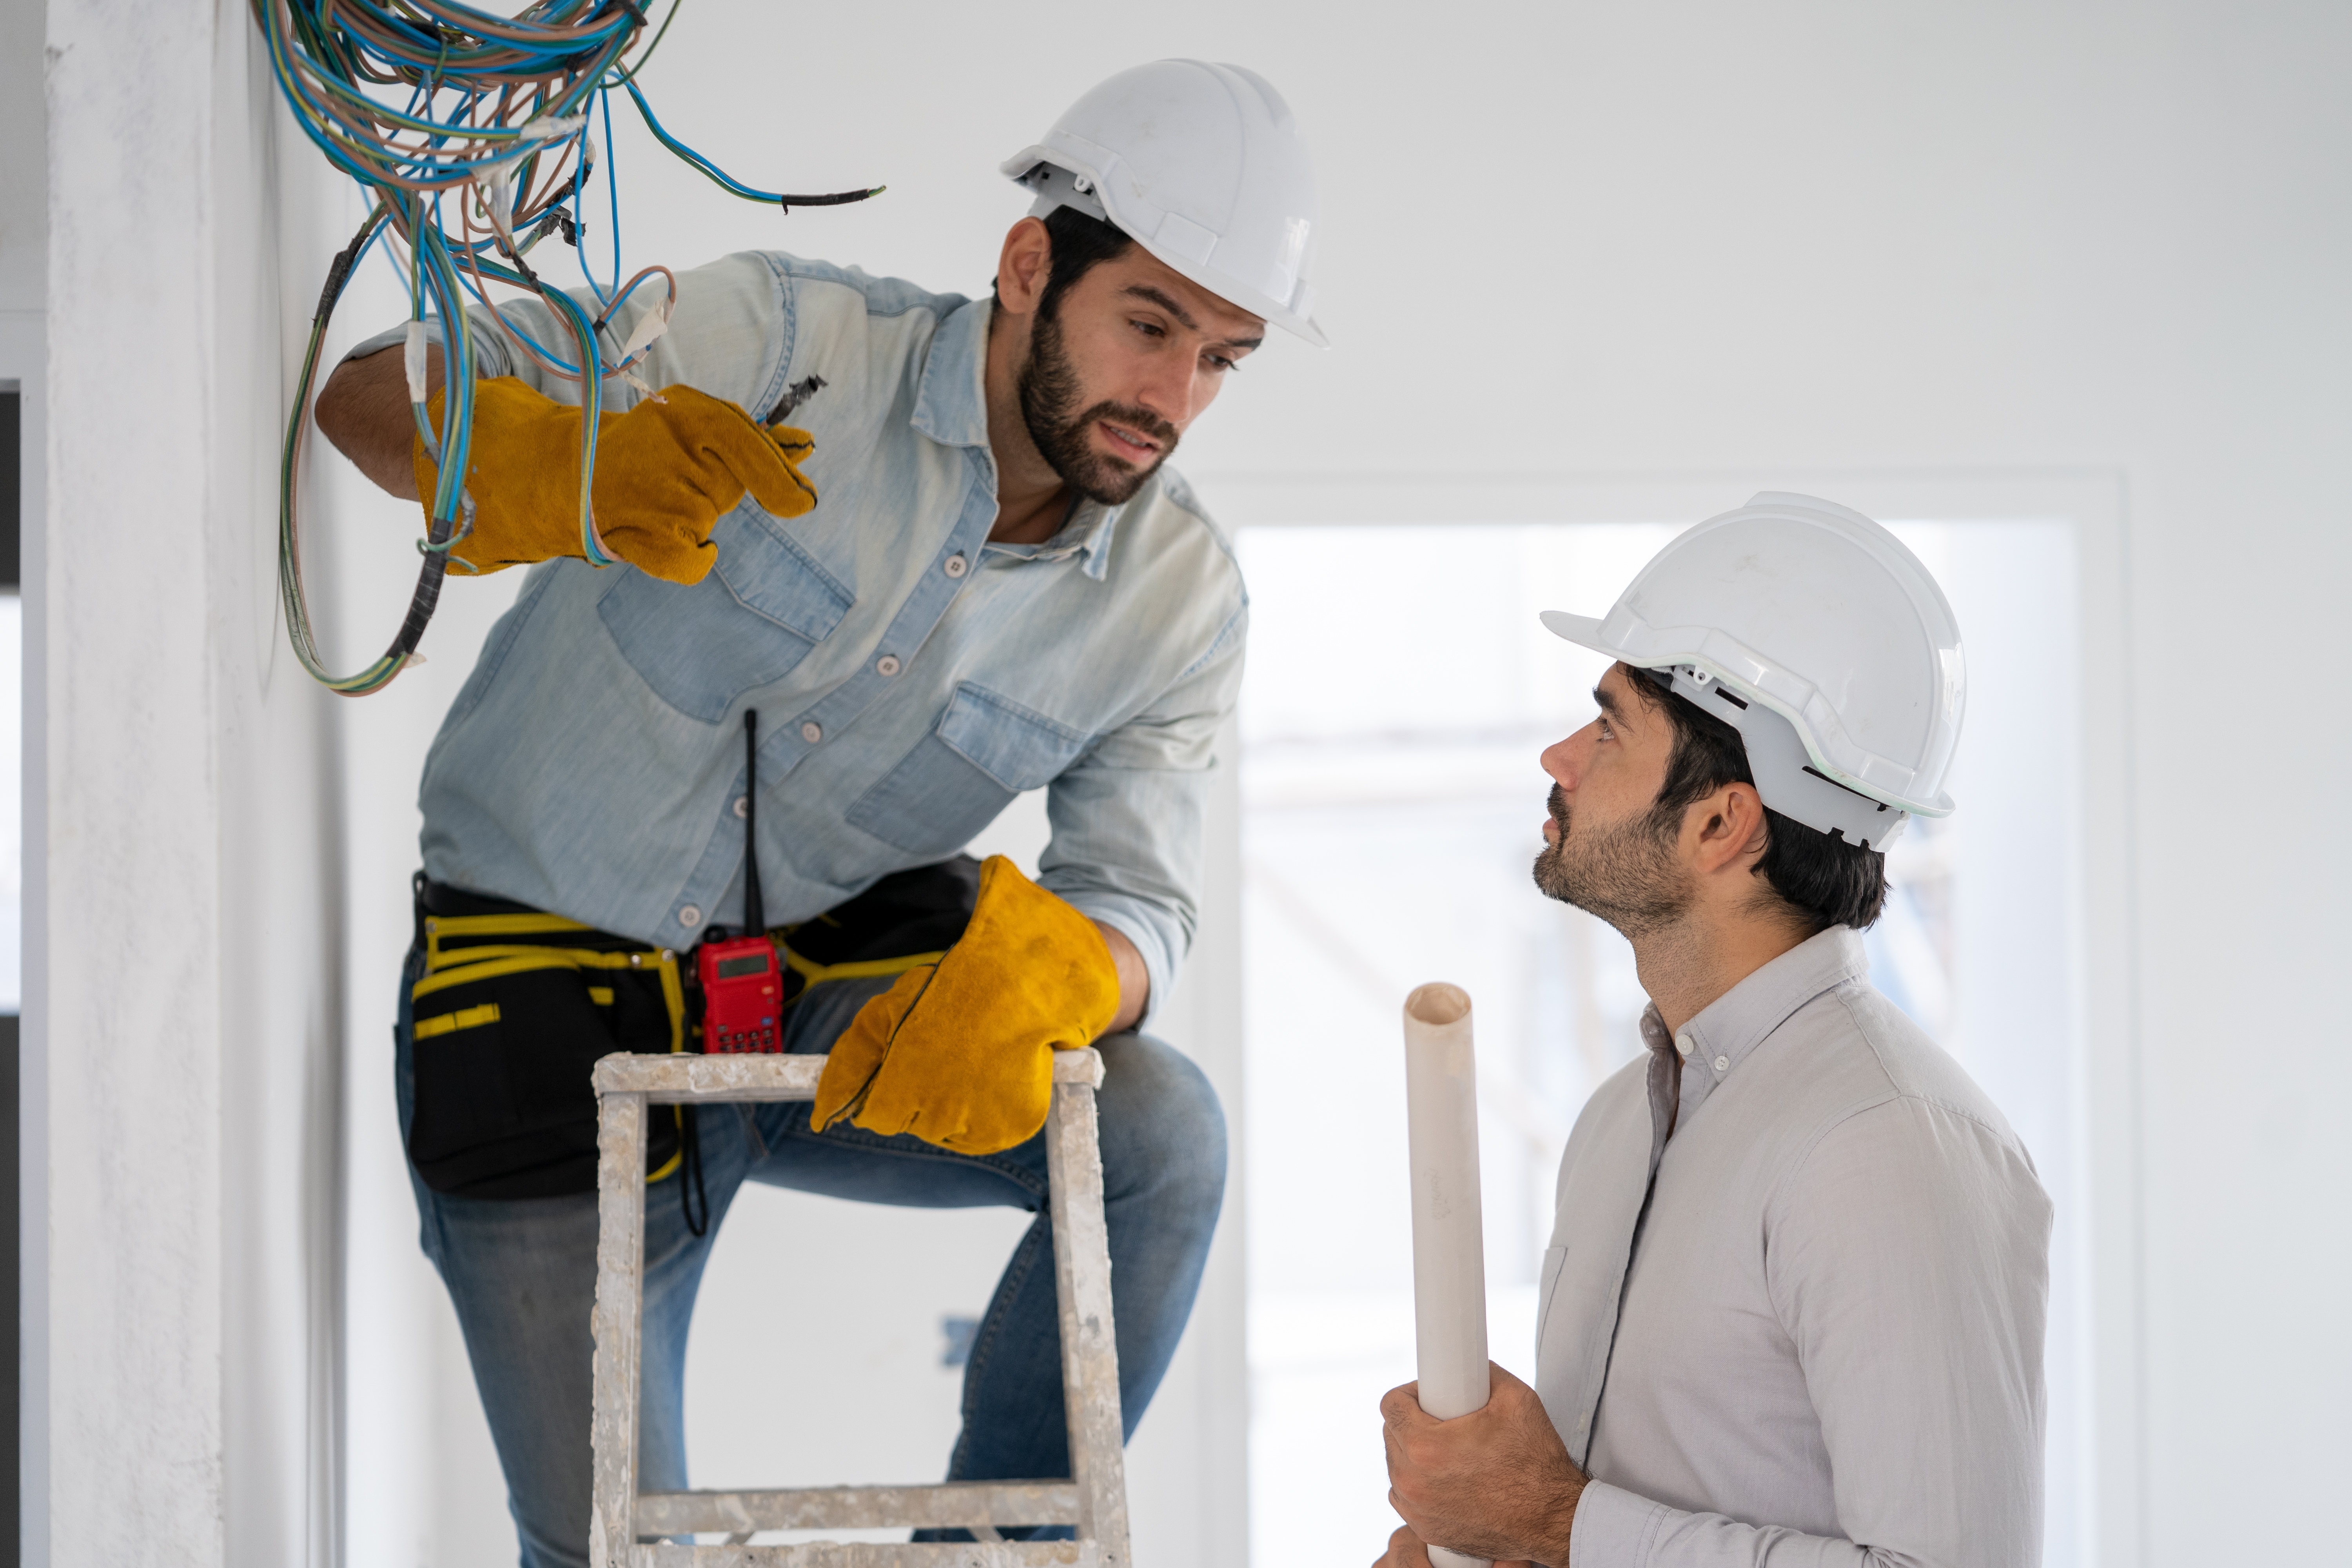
<point>1057,187</point>
<point>1786,780</point>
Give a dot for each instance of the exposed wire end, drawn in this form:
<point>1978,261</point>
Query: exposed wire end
<point>841,198</point>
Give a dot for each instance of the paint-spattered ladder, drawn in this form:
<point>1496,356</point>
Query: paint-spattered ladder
<point>629,1528</point>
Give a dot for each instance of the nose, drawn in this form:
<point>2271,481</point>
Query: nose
<point>1559,763</point>
<point>1168,391</point>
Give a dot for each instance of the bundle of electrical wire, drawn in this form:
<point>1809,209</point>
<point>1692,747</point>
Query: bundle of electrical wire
<point>472,134</point>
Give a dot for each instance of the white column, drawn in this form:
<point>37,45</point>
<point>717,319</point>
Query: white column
<point>192,850</point>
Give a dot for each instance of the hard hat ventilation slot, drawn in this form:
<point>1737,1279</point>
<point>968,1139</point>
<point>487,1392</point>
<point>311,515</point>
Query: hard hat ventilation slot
<point>1877,805</point>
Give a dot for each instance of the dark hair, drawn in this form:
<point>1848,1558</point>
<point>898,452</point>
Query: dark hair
<point>1080,243</point>
<point>1825,881</point>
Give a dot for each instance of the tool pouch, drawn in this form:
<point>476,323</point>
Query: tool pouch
<point>907,919</point>
<point>511,1015</point>
<point>515,1007</point>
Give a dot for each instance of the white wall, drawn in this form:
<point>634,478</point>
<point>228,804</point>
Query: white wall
<point>187,772</point>
<point>1576,239</point>
<point>24,269</point>
<point>1688,239</point>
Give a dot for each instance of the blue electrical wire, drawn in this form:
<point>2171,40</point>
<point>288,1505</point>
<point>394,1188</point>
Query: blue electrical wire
<point>611,191</point>
<point>419,101</point>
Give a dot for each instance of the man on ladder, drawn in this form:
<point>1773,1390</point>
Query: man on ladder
<point>960,572</point>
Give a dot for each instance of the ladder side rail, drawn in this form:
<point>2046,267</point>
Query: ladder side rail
<point>619,1327</point>
<point>1089,1348</point>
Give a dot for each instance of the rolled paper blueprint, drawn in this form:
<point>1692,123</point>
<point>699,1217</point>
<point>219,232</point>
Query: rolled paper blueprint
<point>1449,1250</point>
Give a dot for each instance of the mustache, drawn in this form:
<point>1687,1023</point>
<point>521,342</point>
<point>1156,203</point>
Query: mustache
<point>1556,803</point>
<point>1136,418</point>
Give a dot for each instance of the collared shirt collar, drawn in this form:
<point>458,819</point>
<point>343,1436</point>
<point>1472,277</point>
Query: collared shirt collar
<point>1087,532</point>
<point>951,408</point>
<point>951,398</point>
<point>1714,1044</point>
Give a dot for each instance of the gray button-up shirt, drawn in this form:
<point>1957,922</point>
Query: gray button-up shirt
<point>1807,1327</point>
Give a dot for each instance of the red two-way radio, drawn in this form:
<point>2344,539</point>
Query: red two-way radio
<point>742,986</point>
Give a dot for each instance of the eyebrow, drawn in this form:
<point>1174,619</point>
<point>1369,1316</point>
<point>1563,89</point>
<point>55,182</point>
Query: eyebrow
<point>1166,301</point>
<point>1608,703</point>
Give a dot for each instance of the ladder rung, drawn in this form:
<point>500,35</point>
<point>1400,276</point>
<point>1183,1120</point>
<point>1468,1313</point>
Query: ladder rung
<point>874,1554</point>
<point>853,1508</point>
<point>677,1076</point>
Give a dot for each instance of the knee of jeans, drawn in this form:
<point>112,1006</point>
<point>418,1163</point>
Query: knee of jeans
<point>1162,1127</point>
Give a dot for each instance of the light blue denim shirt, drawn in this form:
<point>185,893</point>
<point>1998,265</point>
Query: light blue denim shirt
<point>910,677</point>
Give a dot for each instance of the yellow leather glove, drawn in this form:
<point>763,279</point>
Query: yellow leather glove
<point>960,1053</point>
<point>665,472</point>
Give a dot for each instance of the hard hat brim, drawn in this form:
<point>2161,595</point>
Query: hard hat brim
<point>1581,630</point>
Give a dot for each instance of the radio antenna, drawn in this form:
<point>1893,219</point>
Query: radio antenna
<point>755,915</point>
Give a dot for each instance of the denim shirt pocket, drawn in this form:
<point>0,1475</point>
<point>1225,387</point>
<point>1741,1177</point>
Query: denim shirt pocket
<point>985,750</point>
<point>760,611</point>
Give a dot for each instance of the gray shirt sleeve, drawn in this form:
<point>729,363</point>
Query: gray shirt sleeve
<point>1906,1259</point>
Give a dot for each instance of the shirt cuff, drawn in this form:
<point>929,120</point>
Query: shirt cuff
<point>1613,1528</point>
<point>1124,916</point>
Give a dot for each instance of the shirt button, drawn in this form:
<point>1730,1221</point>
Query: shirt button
<point>886,666</point>
<point>1723,1064</point>
<point>742,805</point>
<point>689,917</point>
<point>812,733</point>
<point>957,566</point>
<point>1683,1043</point>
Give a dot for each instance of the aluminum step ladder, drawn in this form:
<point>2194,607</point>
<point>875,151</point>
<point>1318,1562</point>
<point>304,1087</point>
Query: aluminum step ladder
<point>628,1527</point>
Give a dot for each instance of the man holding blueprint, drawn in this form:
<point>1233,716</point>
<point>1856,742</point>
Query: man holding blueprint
<point>1794,1307</point>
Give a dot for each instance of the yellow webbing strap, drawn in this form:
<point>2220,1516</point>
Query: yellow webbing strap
<point>864,969</point>
<point>450,1023</point>
<point>445,967</point>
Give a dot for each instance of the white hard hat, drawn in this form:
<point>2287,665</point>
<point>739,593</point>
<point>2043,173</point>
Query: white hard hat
<point>1201,164</point>
<point>1815,634</point>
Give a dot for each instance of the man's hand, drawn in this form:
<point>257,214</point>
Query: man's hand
<point>1495,1483</point>
<point>666,471</point>
<point>960,1053</point>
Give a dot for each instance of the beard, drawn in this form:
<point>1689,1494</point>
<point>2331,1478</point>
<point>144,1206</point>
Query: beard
<point>1048,385</point>
<point>1624,872</point>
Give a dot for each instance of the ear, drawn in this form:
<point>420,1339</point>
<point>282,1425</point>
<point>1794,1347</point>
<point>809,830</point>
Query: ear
<point>1023,267</point>
<point>1732,829</point>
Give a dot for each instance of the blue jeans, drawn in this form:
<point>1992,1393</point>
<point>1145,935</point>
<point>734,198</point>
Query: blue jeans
<point>522,1272</point>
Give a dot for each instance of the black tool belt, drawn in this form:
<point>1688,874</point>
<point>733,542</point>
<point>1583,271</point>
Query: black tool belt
<point>515,1007</point>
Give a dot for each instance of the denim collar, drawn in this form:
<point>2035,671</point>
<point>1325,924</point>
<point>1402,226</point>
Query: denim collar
<point>1086,534</point>
<point>951,398</point>
<point>1736,1023</point>
<point>951,408</point>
